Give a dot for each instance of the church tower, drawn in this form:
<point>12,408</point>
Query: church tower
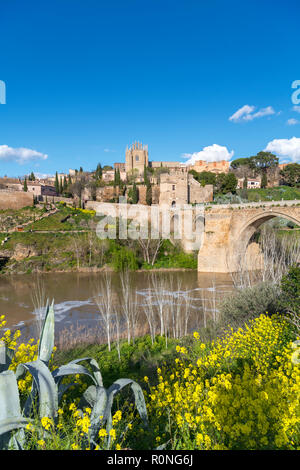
<point>136,157</point>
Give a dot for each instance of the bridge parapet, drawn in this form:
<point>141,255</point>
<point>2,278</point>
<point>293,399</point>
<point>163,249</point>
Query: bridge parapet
<point>228,231</point>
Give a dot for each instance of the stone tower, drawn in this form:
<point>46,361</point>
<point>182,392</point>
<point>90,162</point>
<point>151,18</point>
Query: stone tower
<point>136,157</point>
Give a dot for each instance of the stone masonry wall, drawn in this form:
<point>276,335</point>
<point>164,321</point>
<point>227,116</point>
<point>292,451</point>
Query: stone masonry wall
<point>15,199</point>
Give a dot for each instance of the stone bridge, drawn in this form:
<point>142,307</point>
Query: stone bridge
<point>229,228</point>
<point>222,237</point>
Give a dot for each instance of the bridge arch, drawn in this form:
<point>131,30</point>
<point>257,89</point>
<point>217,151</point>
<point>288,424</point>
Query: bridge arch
<point>238,250</point>
<point>252,224</point>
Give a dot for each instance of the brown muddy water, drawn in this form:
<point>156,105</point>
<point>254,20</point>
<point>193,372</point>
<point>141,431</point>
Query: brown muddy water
<point>74,298</point>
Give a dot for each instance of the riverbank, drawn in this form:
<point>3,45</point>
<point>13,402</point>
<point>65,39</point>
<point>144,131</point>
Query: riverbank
<point>225,394</point>
<point>27,252</point>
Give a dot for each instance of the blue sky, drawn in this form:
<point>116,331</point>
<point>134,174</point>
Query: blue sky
<point>86,78</point>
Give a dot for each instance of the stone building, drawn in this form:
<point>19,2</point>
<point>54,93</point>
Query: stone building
<point>252,183</point>
<point>120,166</point>
<point>214,167</point>
<point>136,157</point>
<point>35,187</point>
<point>178,187</point>
<point>171,165</point>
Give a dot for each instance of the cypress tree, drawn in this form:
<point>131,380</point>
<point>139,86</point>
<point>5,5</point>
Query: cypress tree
<point>149,193</point>
<point>56,183</point>
<point>65,185</point>
<point>264,180</point>
<point>25,187</point>
<point>135,194</point>
<point>145,175</point>
<point>99,171</point>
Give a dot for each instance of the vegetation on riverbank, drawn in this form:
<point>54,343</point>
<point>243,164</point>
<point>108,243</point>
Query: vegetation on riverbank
<point>67,241</point>
<point>238,391</point>
<point>279,193</point>
<point>43,252</point>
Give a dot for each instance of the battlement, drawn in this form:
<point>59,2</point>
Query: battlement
<point>136,158</point>
<point>137,146</point>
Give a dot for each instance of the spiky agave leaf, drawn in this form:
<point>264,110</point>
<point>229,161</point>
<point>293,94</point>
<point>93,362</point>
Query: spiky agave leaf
<point>10,409</point>
<point>73,367</point>
<point>44,387</point>
<point>140,404</point>
<point>6,356</point>
<point>46,343</point>
<point>96,397</point>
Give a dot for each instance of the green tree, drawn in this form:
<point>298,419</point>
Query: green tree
<point>118,177</point>
<point>25,187</point>
<point>146,178</point>
<point>204,177</point>
<point>291,175</point>
<point>238,162</point>
<point>56,184</point>
<point>148,193</point>
<point>264,160</point>
<point>98,172</point>
<point>226,183</point>
<point>245,183</point>
<point>290,291</point>
<point>261,163</point>
<point>65,185</point>
<point>264,180</point>
<point>135,194</point>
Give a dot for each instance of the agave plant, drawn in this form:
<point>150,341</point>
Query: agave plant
<point>48,389</point>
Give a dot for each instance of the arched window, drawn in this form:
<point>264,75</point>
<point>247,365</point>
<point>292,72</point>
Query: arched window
<point>137,158</point>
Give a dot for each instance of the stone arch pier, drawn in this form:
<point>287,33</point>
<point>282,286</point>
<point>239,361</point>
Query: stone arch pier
<point>228,230</point>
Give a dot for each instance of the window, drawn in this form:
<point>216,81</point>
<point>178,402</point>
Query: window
<point>137,158</point>
<point>173,187</point>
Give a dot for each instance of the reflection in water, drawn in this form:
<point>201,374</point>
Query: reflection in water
<point>74,297</point>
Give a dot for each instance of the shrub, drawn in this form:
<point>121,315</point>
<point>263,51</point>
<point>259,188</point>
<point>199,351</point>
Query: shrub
<point>239,392</point>
<point>37,421</point>
<point>123,258</point>
<point>248,303</point>
<point>290,290</point>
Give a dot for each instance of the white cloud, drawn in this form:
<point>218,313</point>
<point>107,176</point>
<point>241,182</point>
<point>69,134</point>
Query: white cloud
<point>43,175</point>
<point>20,155</point>
<point>242,113</point>
<point>296,108</point>
<point>292,122</point>
<point>211,153</point>
<point>285,148</point>
<point>245,113</point>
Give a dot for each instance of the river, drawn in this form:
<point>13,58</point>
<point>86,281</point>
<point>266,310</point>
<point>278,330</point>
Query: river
<point>74,296</point>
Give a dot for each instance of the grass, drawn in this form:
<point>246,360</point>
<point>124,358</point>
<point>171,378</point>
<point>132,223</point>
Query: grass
<point>273,194</point>
<point>10,218</point>
<point>70,241</point>
<point>137,360</point>
<point>66,219</point>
